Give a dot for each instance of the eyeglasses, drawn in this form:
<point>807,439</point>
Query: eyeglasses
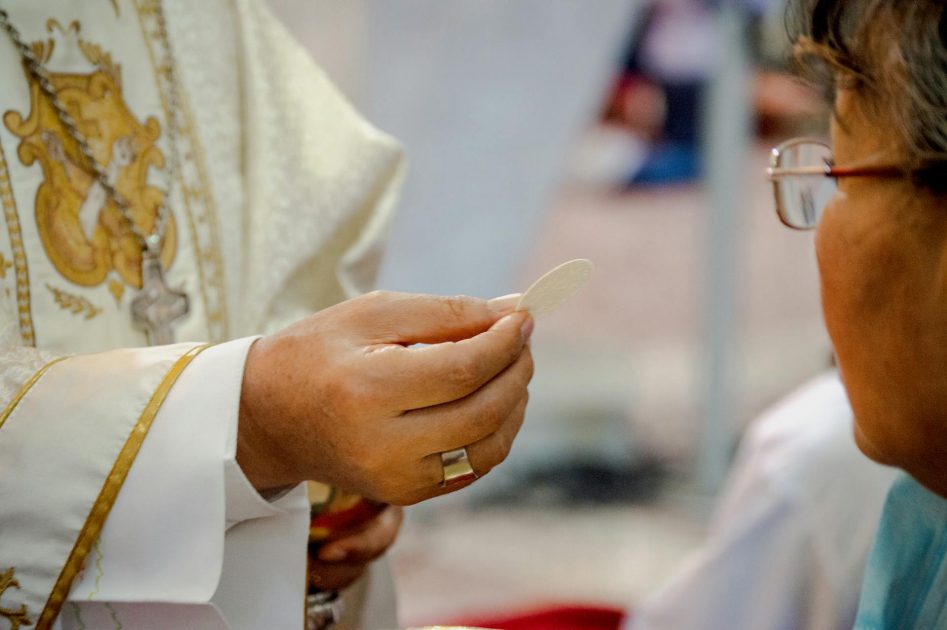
<point>805,177</point>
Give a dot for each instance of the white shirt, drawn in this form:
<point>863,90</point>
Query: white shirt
<point>788,545</point>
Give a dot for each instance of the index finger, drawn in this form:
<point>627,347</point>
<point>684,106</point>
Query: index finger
<point>410,318</point>
<point>424,376</point>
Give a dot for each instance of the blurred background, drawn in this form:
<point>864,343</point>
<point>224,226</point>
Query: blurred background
<point>634,133</point>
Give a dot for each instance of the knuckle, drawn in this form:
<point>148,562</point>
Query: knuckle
<point>463,374</point>
<point>490,455</point>
<point>456,305</point>
<point>492,412</point>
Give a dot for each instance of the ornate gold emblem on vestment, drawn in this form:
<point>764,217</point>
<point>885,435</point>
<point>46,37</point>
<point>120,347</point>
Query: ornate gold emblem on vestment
<point>16,616</point>
<point>82,229</point>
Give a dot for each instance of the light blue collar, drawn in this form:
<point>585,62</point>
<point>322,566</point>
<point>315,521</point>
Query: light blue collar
<point>905,583</point>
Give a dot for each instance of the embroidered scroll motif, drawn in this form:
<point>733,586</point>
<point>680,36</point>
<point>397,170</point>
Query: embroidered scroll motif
<point>73,303</point>
<point>16,616</point>
<point>82,230</point>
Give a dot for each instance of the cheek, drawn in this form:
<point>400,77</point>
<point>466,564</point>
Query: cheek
<point>843,287</point>
<point>857,279</point>
<point>889,330</point>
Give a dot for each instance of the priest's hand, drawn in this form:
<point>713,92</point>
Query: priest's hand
<point>365,395</point>
<point>346,556</point>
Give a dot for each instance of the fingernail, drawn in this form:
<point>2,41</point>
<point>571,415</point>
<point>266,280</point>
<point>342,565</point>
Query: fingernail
<point>504,304</point>
<point>333,554</point>
<point>526,330</point>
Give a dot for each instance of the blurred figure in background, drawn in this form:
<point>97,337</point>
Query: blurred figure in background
<point>679,71</point>
<point>673,52</point>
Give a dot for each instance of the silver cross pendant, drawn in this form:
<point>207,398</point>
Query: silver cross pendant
<point>157,306</point>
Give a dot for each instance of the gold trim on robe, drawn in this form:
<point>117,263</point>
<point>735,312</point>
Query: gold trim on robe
<point>69,436</point>
<point>196,198</point>
<point>18,252</point>
<point>27,386</point>
<point>108,494</point>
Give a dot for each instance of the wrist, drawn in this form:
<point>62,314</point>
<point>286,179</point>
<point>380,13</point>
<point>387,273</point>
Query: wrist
<point>258,451</point>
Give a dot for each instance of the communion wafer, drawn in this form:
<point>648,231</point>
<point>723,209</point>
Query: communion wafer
<point>556,287</point>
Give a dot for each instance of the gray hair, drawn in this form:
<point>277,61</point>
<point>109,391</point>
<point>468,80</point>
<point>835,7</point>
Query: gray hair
<point>895,53</point>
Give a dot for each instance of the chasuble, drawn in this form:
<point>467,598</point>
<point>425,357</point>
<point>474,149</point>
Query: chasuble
<point>121,504</point>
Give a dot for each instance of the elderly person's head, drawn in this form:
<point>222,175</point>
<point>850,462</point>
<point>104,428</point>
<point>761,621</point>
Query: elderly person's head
<point>882,235</point>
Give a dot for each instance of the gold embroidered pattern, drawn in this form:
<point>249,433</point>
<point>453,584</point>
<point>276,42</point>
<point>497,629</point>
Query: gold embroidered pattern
<point>82,230</point>
<point>106,499</point>
<point>73,303</point>
<point>4,265</point>
<point>195,191</point>
<point>16,616</point>
<point>12,219</point>
<point>211,255</point>
<point>117,289</point>
<point>101,59</point>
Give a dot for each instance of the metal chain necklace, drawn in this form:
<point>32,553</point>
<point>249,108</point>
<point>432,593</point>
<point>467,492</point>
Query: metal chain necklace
<point>156,307</point>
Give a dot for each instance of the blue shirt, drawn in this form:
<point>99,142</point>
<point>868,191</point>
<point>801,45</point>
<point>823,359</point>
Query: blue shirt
<point>905,584</point>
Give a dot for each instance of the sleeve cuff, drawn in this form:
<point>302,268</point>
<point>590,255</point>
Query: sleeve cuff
<point>243,501</point>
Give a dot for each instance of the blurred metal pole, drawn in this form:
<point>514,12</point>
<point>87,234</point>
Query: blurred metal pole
<point>726,139</point>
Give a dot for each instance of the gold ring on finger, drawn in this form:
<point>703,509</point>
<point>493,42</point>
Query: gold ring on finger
<point>457,468</point>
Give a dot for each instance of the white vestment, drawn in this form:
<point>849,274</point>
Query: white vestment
<point>788,546</point>
<point>121,503</point>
